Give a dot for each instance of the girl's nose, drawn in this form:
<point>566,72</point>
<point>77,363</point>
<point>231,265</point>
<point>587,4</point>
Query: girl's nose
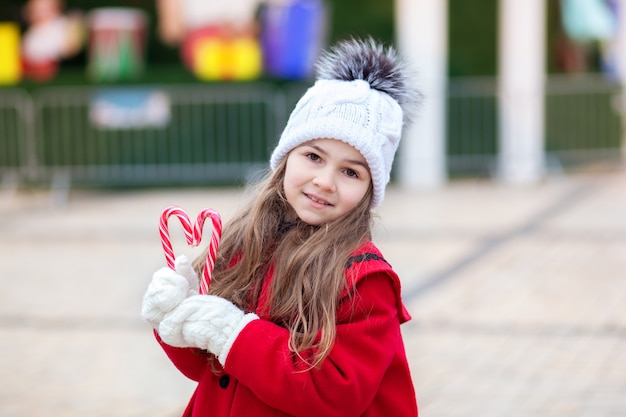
<point>325,180</point>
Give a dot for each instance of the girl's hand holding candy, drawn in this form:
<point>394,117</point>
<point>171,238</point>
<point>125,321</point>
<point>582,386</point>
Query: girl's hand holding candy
<point>167,290</point>
<point>206,322</point>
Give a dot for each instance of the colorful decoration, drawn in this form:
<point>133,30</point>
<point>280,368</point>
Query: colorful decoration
<point>10,68</point>
<point>218,39</point>
<point>116,43</point>
<point>292,36</point>
<point>588,20</point>
<point>50,37</point>
<point>214,56</point>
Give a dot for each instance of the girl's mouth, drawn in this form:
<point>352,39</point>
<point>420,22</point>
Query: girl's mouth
<point>317,200</point>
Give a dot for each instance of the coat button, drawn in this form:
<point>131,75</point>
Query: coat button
<point>224,381</point>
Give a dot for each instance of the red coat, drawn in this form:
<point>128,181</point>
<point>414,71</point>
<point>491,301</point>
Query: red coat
<point>366,373</point>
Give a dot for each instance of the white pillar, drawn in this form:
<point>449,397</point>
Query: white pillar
<point>421,32</point>
<point>521,90</point>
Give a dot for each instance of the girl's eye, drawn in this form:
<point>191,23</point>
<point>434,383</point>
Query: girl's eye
<point>313,156</point>
<point>352,173</point>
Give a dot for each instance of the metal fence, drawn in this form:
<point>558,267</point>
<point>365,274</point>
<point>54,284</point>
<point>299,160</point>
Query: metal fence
<point>130,136</point>
<point>583,123</point>
<point>16,145</point>
<point>222,134</point>
<point>472,116</point>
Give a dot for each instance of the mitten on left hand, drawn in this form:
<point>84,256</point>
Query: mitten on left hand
<point>167,289</point>
<point>205,321</point>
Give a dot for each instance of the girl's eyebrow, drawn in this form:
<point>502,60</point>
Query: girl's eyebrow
<point>351,161</point>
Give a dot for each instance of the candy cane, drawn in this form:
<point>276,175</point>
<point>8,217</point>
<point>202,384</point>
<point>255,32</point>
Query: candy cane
<point>193,236</point>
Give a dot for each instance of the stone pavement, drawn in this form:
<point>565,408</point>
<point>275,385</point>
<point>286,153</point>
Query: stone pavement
<point>518,297</point>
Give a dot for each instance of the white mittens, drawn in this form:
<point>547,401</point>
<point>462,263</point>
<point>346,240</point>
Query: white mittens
<point>206,322</point>
<point>168,289</point>
<point>183,318</point>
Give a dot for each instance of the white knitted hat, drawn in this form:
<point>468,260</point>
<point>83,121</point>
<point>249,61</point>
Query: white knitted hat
<point>357,99</point>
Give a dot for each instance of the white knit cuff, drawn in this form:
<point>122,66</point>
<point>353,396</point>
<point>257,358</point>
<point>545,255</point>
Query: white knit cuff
<point>221,357</point>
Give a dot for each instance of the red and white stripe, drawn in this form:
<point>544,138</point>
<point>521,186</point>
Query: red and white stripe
<point>193,236</point>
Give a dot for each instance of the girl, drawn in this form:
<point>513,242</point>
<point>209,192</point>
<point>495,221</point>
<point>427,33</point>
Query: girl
<point>304,313</point>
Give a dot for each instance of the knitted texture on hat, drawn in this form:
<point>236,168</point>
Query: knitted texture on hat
<point>362,97</point>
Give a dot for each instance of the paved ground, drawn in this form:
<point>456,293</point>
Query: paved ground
<point>518,297</point>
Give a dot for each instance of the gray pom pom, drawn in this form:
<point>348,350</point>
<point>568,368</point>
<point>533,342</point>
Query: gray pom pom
<point>380,66</point>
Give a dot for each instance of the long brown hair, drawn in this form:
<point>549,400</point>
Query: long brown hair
<point>309,265</point>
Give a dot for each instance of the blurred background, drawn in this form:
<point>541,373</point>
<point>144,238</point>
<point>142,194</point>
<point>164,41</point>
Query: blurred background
<point>179,92</point>
<point>504,217</point>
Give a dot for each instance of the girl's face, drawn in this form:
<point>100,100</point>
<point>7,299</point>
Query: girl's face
<point>325,179</point>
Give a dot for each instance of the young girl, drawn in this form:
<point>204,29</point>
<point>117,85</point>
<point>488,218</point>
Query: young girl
<point>304,313</point>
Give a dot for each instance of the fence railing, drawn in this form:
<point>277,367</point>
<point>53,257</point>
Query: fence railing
<point>583,123</point>
<point>16,138</point>
<point>221,134</point>
<point>155,135</point>
<point>472,131</point>
<point>584,117</point>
